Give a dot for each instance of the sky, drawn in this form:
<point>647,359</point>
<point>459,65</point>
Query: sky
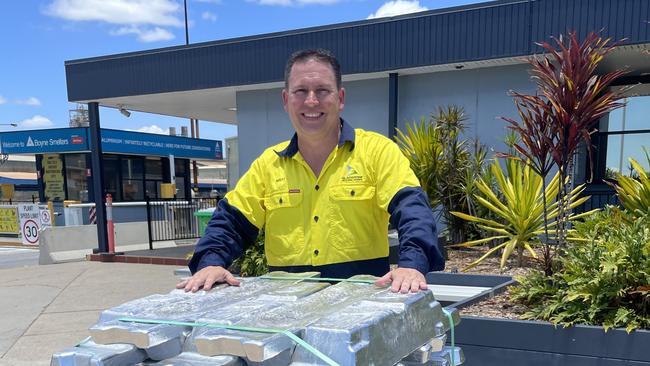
<point>38,36</point>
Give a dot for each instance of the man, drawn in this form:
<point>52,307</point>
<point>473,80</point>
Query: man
<point>324,198</point>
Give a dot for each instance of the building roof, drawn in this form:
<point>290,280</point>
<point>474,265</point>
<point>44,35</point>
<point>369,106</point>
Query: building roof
<point>200,80</point>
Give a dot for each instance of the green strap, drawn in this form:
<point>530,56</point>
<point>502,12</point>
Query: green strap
<point>287,333</point>
<point>83,341</point>
<point>316,279</point>
<point>451,330</point>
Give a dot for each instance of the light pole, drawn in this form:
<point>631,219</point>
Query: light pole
<point>194,123</point>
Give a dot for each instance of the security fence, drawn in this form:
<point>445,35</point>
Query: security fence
<point>176,219</point>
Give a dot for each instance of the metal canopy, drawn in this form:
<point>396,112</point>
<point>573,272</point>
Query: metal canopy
<point>201,80</point>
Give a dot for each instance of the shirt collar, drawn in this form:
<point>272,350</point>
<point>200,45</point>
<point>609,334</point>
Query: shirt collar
<point>347,134</point>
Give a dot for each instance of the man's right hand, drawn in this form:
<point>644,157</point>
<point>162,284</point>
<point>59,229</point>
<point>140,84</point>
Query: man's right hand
<point>206,278</point>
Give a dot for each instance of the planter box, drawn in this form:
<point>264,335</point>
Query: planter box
<point>498,342</point>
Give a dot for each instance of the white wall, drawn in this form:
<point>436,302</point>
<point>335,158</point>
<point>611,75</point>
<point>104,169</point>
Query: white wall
<point>482,92</point>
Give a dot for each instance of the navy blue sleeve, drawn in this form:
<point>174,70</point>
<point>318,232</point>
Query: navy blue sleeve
<point>411,215</point>
<point>227,235</point>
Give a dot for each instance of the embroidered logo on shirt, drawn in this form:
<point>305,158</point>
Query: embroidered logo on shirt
<point>351,175</point>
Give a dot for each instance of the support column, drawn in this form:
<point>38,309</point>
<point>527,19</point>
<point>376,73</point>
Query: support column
<point>392,103</point>
<point>97,167</point>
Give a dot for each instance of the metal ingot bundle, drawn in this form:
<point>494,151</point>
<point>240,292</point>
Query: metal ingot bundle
<point>165,340</point>
<point>360,333</point>
<point>275,321</point>
<point>259,347</point>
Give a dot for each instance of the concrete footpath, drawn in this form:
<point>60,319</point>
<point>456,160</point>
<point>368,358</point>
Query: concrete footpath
<point>46,308</point>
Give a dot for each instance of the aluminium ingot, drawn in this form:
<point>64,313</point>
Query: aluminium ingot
<point>259,347</point>
<point>177,306</point>
<point>194,359</point>
<point>89,353</point>
<point>441,358</point>
<point>378,331</point>
<point>421,355</point>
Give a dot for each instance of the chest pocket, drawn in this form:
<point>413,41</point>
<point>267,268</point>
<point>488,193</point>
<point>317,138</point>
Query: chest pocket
<point>351,216</point>
<point>283,228</point>
<point>352,193</point>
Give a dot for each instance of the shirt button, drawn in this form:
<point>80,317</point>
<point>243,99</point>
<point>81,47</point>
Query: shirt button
<point>280,200</point>
<point>352,193</point>
<point>316,252</point>
<point>316,218</point>
<point>317,187</point>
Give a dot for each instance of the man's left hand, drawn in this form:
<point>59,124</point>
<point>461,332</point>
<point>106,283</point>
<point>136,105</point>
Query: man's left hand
<point>403,280</point>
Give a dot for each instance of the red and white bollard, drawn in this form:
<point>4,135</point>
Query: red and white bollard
<point>110,228</point>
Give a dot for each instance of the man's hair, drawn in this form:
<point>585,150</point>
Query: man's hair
<point>318,54</point>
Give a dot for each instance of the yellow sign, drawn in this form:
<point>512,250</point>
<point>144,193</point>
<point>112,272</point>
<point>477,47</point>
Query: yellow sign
<point>53,177</point>
<point>6,191</point>
<point>9,220</point>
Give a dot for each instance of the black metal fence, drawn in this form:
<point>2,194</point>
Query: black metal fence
<point>16,202</point>
<point>176,219</point>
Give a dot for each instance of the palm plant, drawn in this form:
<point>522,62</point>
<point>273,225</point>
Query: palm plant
<point>444,164</point>
<point>520,211</point>
<point>421,146</point>
<point>634,194</point>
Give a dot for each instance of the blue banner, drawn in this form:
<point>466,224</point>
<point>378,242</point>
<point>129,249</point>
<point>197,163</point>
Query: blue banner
<point>62,140</point>
<point>54,140</point>
<point>128,142</point>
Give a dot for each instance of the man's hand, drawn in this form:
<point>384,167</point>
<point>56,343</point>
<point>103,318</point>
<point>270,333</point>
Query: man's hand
<point>207,277</point>
<point>403,280</point>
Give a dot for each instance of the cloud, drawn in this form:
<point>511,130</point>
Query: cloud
<point>294,2</point>
<point>2,100</point>
<point>36,121</point>
<point>29,101</point>
<point>397,7</point>
<point>145,34</point>
<point>152,129</point>
<point>145,18</point>
<point>209,16</point>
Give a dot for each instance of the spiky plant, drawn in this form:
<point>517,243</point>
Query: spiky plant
<point>634,193</point>
<point>520,208</point>
<point>444,164</point>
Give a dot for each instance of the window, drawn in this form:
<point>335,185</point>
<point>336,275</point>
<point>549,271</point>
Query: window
<point>112,176</point>
<point>76,181</point>
<point>624,134</point>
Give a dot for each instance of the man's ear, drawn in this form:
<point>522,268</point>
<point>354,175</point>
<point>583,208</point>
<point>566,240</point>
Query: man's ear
<point>341,99</point>
<point>285,99</point>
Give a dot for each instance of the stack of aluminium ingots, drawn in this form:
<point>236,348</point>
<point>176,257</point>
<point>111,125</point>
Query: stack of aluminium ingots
<point>349,323</point>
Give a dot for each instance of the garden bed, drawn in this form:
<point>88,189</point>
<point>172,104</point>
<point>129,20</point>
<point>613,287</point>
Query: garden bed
<point>491,333</point>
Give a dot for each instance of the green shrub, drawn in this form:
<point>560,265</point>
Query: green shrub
<point>253,261</point>
<point>605,278</point>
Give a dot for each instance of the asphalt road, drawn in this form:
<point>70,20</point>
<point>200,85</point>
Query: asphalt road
<point>17,257</point>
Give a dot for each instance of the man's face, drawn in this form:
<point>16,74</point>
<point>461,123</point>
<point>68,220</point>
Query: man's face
<point>312,99</point>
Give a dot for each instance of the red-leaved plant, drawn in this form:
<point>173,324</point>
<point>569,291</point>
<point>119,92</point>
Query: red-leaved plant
<point>570,100</point>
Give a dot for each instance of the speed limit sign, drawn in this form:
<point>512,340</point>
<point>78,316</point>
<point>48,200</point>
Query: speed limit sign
<point>30,232</point>
<point>29,228</point>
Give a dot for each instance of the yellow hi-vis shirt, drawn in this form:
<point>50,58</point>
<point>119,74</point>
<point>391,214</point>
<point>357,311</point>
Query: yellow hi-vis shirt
<point>340,216</point>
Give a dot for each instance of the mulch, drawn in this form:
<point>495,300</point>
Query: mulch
<point>499,306</point>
